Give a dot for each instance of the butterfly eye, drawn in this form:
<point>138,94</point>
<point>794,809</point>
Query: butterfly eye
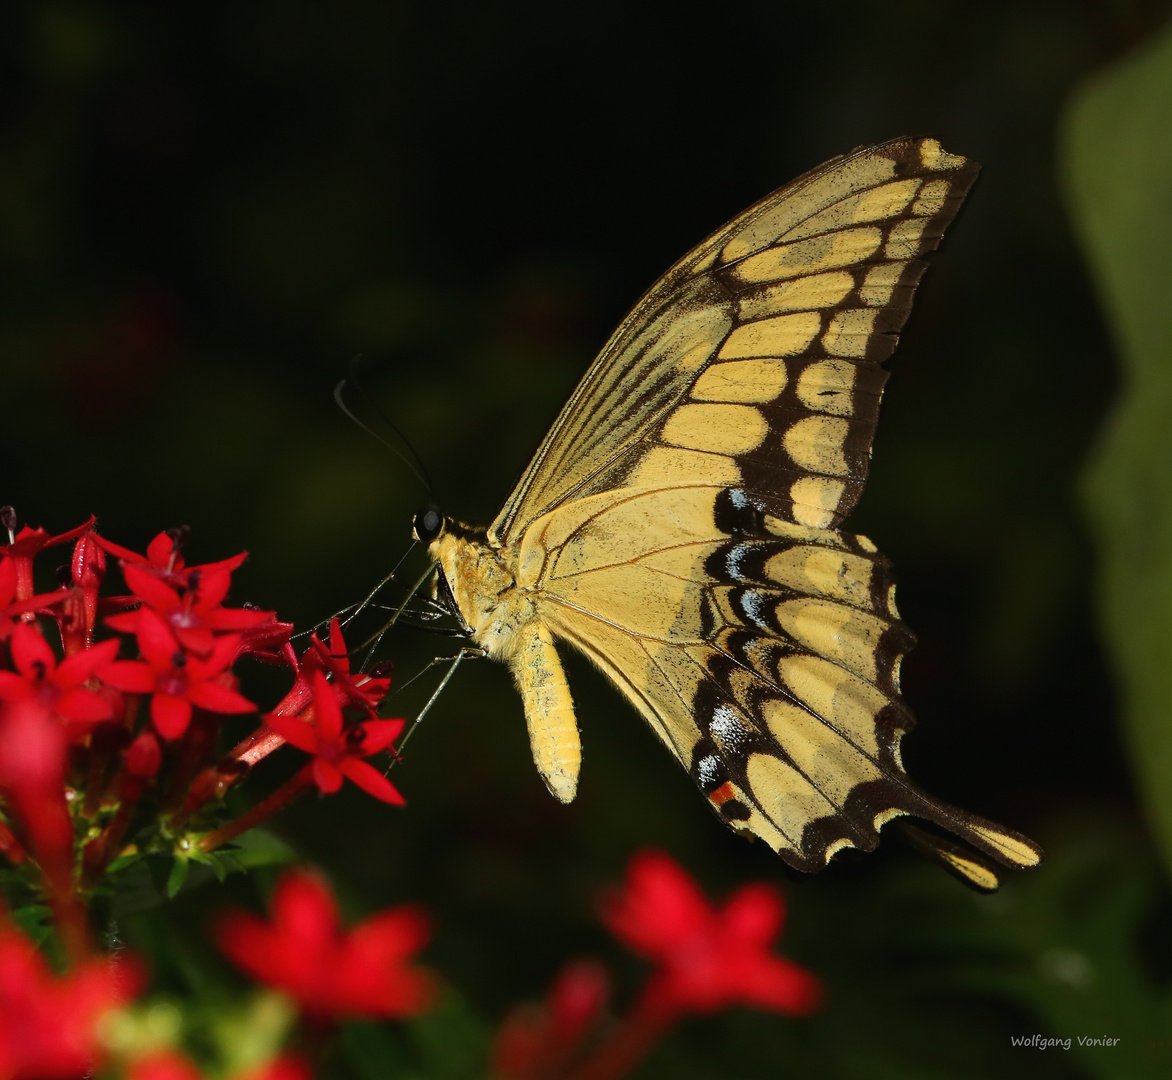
<point>428,524</point>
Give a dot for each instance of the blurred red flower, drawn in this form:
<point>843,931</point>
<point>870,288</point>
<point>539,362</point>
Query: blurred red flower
<point>538,1041</point>
<point>59,687</point>
<point>175,679</point>
<point>338,749</point>
<point>331,972</point>
<point>708,958</point>
<point>48,1023</point>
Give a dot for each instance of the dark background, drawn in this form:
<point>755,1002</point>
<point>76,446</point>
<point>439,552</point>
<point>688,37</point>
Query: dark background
<point>206,210</point>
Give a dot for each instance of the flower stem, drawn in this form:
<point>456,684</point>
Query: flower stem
<point>278,800</point>
<point>197,744</point>
<point>98,853</point>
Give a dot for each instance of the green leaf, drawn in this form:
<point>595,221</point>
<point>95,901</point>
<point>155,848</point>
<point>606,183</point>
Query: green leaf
<point>451,1039</point>
<point>1116,155</point>
<point>177,877</point>
<point>34,920</point>
<point>375,1051</point>
<point>259,847</point>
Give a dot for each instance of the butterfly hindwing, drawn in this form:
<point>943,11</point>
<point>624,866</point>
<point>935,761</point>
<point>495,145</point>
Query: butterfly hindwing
<point>764,654</point>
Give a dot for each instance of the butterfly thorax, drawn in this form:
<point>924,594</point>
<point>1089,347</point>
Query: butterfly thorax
<point>484,588</point>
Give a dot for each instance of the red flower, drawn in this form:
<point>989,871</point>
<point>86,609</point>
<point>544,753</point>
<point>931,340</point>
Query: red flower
<point>359,691</point>
<point>27,544</point>
<point>538,1041</point>
<point>337,749</point>
<point>176,680</point>
<point>708,959</point>
<point>164,558</point>
<point>48,1024</point>
<point>331,972</point>
<point>32,775</point>
<point>59,687</point>
<point>192,611</point>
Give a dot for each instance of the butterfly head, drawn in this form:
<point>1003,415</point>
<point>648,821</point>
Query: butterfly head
<point>428,524</point>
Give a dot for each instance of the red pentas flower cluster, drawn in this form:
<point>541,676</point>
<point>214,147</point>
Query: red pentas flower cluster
<point>87,733</point>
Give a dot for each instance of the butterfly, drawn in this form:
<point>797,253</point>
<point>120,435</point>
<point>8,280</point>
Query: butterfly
<point>680,523</point>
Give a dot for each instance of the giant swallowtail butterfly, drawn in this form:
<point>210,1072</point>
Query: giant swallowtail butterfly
<point>680,524</point>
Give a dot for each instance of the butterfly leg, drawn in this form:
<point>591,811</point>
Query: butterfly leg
<point>549,711</point>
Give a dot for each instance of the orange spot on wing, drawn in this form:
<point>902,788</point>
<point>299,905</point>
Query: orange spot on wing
<point>722,794</point>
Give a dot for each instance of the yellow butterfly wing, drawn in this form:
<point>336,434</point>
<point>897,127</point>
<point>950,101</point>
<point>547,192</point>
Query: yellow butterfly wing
<point>823,269</point>
<point>679,523</point>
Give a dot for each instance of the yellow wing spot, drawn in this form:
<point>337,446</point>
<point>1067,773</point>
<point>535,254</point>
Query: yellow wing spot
<point>842,699</point>
<point>933,156</point>
<point>885,201</point>
<point>723,429</point>
<point>896,663</point>
<point>783,335</point>
<point>879,284</point>
<point>816,443</point>
<point>849,332</point>
<point>884,816</point>
<point>823,191</point>
<point>931,200</point>
<point>668,464</point>
<point>835,632</point>
<point>741,380</point>
<point>867,544</point>
<point>826,387</point>
<point>891,602</point>
<point>904,242</point>
<point>878,203</point>
<point>823,572</point>
<point>809,256</point>
<point>805,534</point>
<point>836,847</point>
<point>833,766</point>
<point>801,294</point>
<point>787,797</point>
<point>815,500</point>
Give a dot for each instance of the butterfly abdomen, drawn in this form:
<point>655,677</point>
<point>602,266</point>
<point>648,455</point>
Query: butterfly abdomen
<point>503,619</point>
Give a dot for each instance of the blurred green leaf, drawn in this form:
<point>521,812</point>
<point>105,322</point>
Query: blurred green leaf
<point>1116,158</point>
<point>177,877</point>
<point>259,847</point>
<point>33,919</point>
<point>451,1039</point>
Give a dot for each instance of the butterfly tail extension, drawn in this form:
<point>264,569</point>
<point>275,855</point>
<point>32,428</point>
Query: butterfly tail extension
<point>549,711</point>
<point>971,867</point>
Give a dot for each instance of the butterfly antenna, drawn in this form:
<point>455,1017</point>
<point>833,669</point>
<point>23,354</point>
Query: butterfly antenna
<point>413,462</point>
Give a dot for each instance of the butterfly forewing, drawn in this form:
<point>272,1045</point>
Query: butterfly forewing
<point>754,360</point>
